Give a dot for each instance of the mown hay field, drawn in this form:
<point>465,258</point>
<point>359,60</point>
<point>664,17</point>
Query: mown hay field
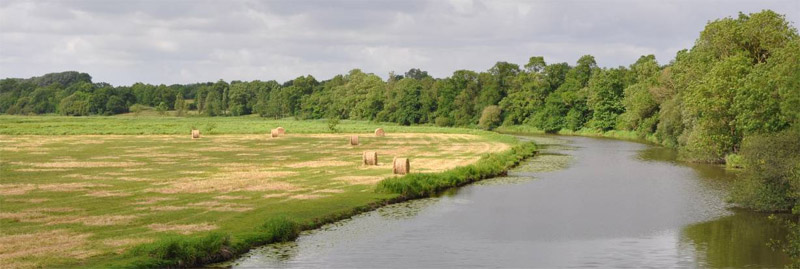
<point>77,200</point>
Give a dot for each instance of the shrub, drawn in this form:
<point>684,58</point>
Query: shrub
<point>772,166</point>
<point>490,118</point>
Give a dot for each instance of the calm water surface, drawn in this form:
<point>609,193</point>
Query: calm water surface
<point>584,202</point>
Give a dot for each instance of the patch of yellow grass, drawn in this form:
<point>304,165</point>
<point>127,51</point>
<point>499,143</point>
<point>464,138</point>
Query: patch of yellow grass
<point>153,200</point>
<point>222,207</point>
<point>47,219</point>
<point>76,164</point>
<point>320,163</point>
<point>16,189</point>
<point>253,180</point>
<point>231,197</point>
<point>360,180</point>
<point>41,169</point>
<point>274,195</point>
<point>306,196</point>
<point>31,200</point>
<point>108,194</point>
<point>22,250</point>
<point>87,177</point>
<point>162,208</point>
<point>182,228</point>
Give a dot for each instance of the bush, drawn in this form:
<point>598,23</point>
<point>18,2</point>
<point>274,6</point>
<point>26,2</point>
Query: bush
<point>772,166</point>
<point>443,121</point>
<point>490,118</point>
<point>734,161</point>
<point>332,123</point>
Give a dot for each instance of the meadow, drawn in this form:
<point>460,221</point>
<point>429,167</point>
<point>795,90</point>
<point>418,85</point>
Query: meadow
<point>109,191</point>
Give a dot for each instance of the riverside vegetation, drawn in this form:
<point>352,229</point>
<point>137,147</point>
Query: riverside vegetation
<point>733,97</point>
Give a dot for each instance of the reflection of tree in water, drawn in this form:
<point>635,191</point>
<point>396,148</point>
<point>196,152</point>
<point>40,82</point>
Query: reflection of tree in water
<point>736,241</point>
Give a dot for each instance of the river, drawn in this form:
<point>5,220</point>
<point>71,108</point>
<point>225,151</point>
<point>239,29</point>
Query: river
<point>582,202</point>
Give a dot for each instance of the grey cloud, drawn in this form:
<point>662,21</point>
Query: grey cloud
<point>184,41</point>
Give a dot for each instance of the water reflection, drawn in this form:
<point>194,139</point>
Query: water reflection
<point>738,240</point>
<point>582,202</point>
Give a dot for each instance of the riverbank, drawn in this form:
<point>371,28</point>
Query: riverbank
<point>164,200</point>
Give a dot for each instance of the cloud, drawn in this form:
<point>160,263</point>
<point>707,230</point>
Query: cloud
<point>123,42</point>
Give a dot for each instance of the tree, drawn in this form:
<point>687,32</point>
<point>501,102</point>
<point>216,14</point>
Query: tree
<point>535,64</point>
<point>180,105</point>
<point>490,117</point>
<point>76,104</point>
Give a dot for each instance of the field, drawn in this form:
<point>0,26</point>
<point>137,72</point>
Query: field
<point>117,182</point>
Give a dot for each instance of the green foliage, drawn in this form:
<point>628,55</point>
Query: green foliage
<point>772,165</point>
<point>182,251</point>
<point>734,161</point>
<point>332,123</point>
<point>416,185</point>
<point>490,118</point>
<point>180,105</point>
<point>161,109</point>
<point>76,104</point>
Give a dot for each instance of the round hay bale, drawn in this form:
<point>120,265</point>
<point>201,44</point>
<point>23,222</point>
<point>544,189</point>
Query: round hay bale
<point>281,131</point>
<point>195,134</point>
<point>369,158</point>
<point>379,132</point>
<point>354,140</point>
<point>274,133</point>
<point>401,166</point>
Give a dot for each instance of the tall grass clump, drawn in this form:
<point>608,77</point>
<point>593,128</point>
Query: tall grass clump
<point>185,251</point>
<point>182,251</point>
<point>425,184</point>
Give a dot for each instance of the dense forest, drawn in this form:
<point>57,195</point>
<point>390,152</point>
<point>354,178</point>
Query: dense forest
<point>734,95</point>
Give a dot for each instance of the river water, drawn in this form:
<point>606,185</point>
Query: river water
<point>582,202</point>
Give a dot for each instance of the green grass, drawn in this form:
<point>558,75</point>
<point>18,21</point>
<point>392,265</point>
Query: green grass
<point>129,124</point>
<point>425,184</point>
<point>121,190</point>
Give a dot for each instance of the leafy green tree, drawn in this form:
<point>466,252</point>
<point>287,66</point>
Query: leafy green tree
<point>490,117</point>
<point>76,104</point>
<point>605,98</point>
<point>180,105</point>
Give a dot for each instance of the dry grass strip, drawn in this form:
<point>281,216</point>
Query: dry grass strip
<point>74,164</point>
<point>253,180</point>
<point>56,243</point>
<point>31,200</point>
<point>320,163</point>
<point>182,228</point>
<point>153,200</point>
<point>359,180</point>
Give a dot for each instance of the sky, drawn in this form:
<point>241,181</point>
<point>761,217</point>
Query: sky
<point>187,41</point>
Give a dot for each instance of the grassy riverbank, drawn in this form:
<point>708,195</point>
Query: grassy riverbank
<point>148,196</point>
<point>618,134</point>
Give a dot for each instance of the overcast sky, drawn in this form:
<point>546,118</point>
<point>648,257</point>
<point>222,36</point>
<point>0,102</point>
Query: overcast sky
<point>159,41</point>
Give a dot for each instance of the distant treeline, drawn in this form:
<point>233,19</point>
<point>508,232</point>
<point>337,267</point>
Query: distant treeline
<point>741,77</point>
